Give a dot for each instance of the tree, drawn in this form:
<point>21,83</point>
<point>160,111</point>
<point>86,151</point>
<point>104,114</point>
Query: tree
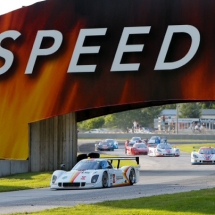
<point>110,121</point>
<point>144,117</point>
<point>149,114</point>
<point>97,122</point>
<point>169,106</point>
<point>190,110</point>
<point>123,119</point>
<point>208,105</point>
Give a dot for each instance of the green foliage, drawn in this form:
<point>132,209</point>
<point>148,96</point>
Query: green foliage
<point>97,122</point>
<point>208,105</point>
<point>125,119</point>
<point>110,121</point>
<point>144,116</point>
<point>190,110</point>
<point>169,106</point>
<point>149,114</point>
<point>122,120</point>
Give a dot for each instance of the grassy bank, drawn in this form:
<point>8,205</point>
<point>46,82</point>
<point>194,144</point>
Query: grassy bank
<point>25,181</point>
<point>189,203</point>
<point>189,147</point>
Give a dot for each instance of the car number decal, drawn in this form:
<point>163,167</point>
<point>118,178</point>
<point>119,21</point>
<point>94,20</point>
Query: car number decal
<point>114,178</point>
<point>83,177</point>
<point>207,157</point>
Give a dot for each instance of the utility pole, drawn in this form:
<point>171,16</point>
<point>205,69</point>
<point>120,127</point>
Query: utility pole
<point>177,106</point>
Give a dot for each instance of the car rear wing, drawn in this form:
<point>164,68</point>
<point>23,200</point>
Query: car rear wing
<point>111,159</point>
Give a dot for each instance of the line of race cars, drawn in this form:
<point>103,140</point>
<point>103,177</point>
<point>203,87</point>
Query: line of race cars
<point>91,171</point>
<point>157,146</point>
<point>154,147</point>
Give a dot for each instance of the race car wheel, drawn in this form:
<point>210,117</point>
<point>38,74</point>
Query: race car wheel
<point>132,177</point>
<point>105,180</point>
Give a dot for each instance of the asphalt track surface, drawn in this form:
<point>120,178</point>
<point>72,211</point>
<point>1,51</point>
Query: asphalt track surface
<point>158,175</point>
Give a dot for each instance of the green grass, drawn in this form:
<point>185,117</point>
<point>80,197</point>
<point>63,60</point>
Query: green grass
<point>188,203</point>
<point>25,181</point>
<point>189,147</point>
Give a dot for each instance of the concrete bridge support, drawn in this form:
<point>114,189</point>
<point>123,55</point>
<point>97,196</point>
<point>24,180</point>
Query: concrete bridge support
<point>53,142</point>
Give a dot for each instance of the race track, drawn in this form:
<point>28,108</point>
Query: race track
<point>157,176</point>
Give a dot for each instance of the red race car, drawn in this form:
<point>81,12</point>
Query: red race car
<point>137,149</point>
<point>133,141</point>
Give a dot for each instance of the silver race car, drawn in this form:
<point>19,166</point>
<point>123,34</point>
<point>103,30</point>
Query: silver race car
<point>96,173</point>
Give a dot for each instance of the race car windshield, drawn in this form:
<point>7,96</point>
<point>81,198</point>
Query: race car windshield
<point>154,137</point>
<point>143,146</point>
<point>104,143</point>
<point>109,141</point>
<point>163,140</point>
<point>86,165</point>
<point>136,138</point>
<point>207,151</point>
<point>164,146</point>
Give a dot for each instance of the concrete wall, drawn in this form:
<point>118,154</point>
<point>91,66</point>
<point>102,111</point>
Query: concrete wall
<point>53,142</point>
<point>10,167</point>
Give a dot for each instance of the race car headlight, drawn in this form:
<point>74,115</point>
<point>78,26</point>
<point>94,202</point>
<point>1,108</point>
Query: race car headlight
<point>159,150</point>
<point>54,178</point>
<point>94,178</point>
<point>195,156</point>
<point>177,150</point>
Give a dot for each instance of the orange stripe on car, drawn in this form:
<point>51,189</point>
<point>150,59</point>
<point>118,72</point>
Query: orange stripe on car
<point>124,173</point>
<point>75,175</point>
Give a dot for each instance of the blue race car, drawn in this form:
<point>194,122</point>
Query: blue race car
<point>113,142</point>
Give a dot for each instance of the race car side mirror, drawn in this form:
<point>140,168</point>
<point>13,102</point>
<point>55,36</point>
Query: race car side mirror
<point>62,166</point>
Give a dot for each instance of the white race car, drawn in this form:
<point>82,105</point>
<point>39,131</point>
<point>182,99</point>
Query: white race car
<point>205,155</point>
<point>96,173</point>
<point>163,150</point>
